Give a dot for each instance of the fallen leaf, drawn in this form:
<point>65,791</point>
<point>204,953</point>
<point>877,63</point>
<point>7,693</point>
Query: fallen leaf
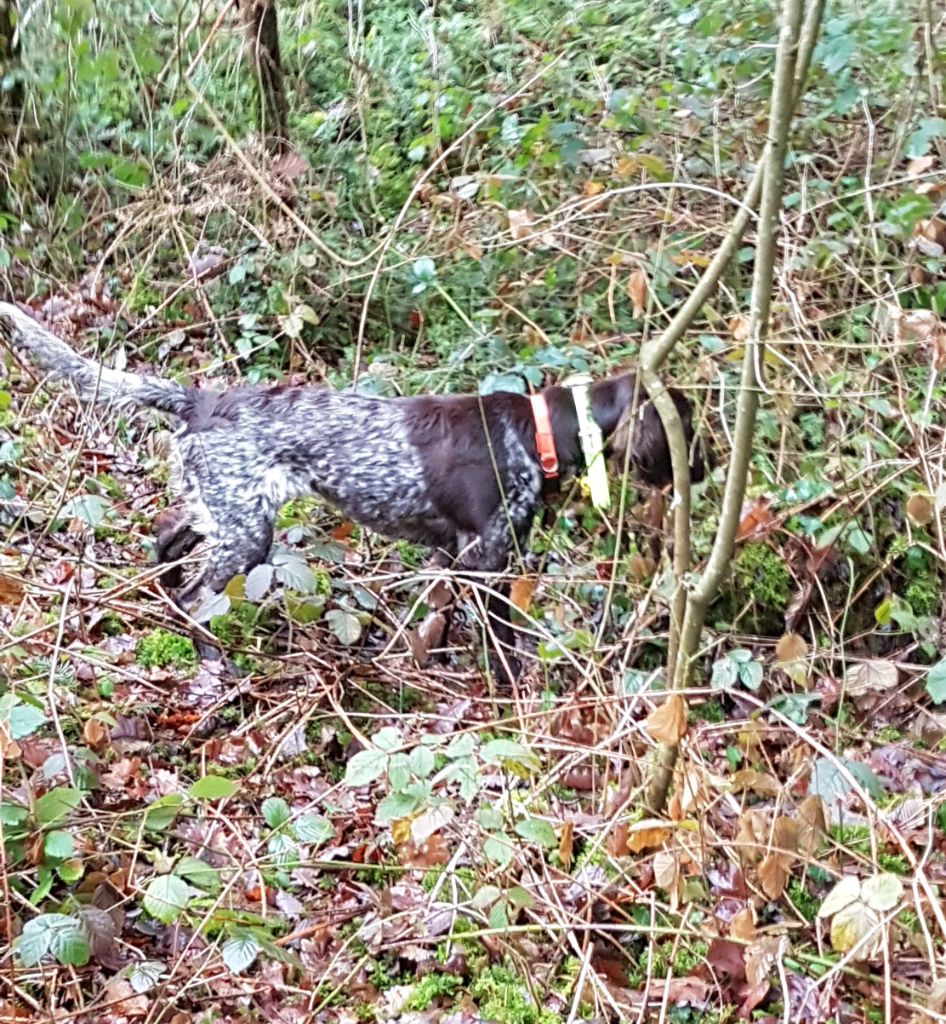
<point>756,520</point>
<point>593,188</point>
<point>742,926</point>
<point>920,165</point>
<point>566,843</point>
<point>872,676</point>
<point>290,165</point>
<point>11,589</point>
<point>522,591</point>
<point>919,509</point>
<point>647,835</point>
<point>753,781</point>
<point>812,824</point>
<point>739,327</point>
<point>791,654</point>
<point>520,224</point>
<point>668,875</point>
<point>637,290</point>
<point>668,723</point>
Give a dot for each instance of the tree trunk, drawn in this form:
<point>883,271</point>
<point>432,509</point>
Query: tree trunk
<point>262,45</point>
<point>11,99</point>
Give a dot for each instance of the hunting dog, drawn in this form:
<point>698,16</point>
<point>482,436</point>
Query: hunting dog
<point>461,474</point>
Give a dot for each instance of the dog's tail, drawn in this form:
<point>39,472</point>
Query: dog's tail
<point>92,380</point>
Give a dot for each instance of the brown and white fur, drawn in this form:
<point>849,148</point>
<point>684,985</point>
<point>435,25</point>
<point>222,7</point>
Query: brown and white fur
<point>458,473</point>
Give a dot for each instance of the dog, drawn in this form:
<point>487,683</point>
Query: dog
<point>460,474</point>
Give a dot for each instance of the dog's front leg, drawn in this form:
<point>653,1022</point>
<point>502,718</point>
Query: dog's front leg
<point>490,553</point>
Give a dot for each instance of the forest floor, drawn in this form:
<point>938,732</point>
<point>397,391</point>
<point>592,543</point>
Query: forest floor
<point>347,829</point>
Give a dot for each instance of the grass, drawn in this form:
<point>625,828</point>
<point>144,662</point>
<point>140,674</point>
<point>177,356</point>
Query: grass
<point>481,183</point>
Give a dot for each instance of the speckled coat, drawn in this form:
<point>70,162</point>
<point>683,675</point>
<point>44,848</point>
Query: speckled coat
<point>460,474</point>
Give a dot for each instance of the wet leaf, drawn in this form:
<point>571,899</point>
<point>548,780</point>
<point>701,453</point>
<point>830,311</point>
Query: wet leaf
<point>668,723</point>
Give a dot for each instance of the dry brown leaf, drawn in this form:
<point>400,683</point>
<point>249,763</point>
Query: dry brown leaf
<point>791,647</point>
<point>95,733</point>
<point>566,843</point>
<point>625,166</point>
<point>668,723</point>
<point>522,591</point>
<point>752,836</point>
<point>742,926</point>
<point>872,676</point>
<point>520,224</point>
<point>791,654</point>
<point>753,781</point>
<point>428,636</point>
<point>812,824</point>
<point>756,520</point>
<point>934,232</point>
<point>773,875</point>
<point>637,290</point>
<point>668,875</point>
<point>647,835</point>
<point>122,1000</point>
<point>593,188</point>
<point>775,869</point>
<point>761,957</point>
<point>919,509</point>
<point>640,568</point>
<point>920,165</point>
<point>739,328</point>
<point>616,843</point>
<point>431,853</point>
<point>290,165</point>
<point>11,589</point>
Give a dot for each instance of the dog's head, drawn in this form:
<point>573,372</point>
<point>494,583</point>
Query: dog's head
<point>629,420</point>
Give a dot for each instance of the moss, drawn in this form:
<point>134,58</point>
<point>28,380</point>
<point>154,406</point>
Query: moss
<point>502,996</point>
<point>161,649</point>
<point>802,900</point>
<point>761,574</point>
<point>431,988</point>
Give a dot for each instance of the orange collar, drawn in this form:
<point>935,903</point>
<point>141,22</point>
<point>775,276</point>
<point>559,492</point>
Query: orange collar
<point>544,438</point>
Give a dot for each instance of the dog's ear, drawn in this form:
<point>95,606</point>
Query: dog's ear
<point>650,453</point>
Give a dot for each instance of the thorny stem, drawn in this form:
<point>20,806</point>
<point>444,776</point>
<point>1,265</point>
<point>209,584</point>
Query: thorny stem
<point>688,608</point>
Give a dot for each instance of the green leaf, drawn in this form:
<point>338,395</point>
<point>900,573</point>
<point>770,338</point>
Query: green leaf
<point>499,849</point>
<point>312,828</point>
<point>89,508</point>
<point>163,812</point>
<point>511,755</point>
<point>213,787</point>
<point>344,625</point>
<point>396,806</point>
<point>936,682</point>
<point>198,872</point>
<point>33,943</point>
<point>59,845</point>
<point>365,767</point>
<point>143,975</point>
<point>58,934</point>
<point>422,762</point>
<point>828,782</point>
<point>57,804</point>
<point>276,811</point>
<point>12,816</point>
<point>166,898</point>
<point>239,952</point>
<point>399,770</point>
<point>25,720</point>
<point>921,139</point>
<point>534,830</point>
<point>387,739</point>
